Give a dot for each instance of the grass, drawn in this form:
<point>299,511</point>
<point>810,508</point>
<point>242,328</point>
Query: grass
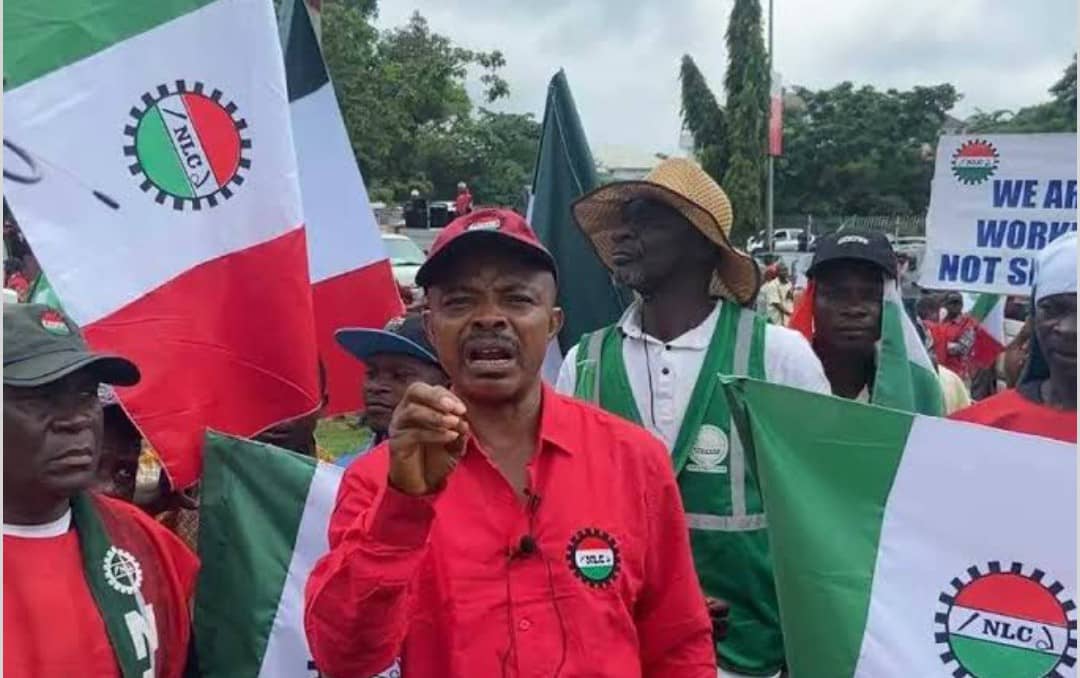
<point>338,435</point>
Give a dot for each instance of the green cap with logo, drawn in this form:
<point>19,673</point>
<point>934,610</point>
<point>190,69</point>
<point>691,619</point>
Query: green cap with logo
<point>42,345</point>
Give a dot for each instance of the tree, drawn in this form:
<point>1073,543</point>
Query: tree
<point>851,150</point>
<point>704,117</point>
<point>492,152</point>
<point>403,98</point>
<point>747,84</point>
<point>1056,115</point>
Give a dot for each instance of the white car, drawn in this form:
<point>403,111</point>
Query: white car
<point>784,240</point>
<point>406,257</point>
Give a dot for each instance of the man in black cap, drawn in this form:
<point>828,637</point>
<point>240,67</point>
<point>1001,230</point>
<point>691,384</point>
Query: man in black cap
<point>92,586</point>
<point>852,298</point>
<point>849,272</point>
<point>395,357</point>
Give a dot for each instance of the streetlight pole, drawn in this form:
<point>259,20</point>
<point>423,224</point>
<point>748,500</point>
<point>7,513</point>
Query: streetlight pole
<point>769,183</point>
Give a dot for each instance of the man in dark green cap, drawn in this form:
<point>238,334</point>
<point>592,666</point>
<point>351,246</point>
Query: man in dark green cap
<point>92,586</point>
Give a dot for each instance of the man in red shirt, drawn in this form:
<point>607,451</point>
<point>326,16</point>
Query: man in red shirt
<point>955,336</point>
<point>1044,402</point>
<point>505,530</point>
<point>92,585</point>
<point>463,201</point>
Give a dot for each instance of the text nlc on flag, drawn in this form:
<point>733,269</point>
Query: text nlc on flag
<point>908,545</point>
<point>168,215</point>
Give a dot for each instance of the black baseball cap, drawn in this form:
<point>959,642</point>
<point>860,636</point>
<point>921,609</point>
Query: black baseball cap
<point>401,336</point>
<point>854,245</point>
<point>42,345</point>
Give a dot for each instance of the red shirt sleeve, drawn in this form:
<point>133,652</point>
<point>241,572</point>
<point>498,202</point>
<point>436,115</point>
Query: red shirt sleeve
<point>361,595</point>
<point>673,625</point>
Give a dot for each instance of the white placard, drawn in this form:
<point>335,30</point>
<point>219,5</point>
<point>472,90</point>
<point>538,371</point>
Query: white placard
<point>995,201</point>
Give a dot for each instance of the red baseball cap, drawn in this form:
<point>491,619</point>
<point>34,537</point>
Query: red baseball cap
<point>497,227</point>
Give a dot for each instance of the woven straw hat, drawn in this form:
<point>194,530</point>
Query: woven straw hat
<point>686,187</point>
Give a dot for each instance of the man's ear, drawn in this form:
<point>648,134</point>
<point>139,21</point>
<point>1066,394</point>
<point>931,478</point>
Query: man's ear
<point>558,318</point>
<point>425,319</point>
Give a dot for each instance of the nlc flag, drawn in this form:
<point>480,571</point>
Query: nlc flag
<point>907,545</point>
<point>263,519</point>
<point>168,211</point>
<point>352,282</point>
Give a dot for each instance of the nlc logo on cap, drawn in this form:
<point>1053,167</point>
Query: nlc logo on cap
<point>53,323</point>
<point>485,225</point>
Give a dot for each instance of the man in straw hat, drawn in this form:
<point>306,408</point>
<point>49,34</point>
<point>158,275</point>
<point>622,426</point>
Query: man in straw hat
<point>501,531</point>
<point>667,238</point>
<point>1044,402</point>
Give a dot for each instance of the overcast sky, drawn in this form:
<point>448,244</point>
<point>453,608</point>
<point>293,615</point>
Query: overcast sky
<point>622,56</point>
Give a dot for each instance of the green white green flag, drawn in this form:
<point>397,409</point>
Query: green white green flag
<point>263,518</point>
<point>565,171</point>
<point>907,545</point>
<point>42,293</point>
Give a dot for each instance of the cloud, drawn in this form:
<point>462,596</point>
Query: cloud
<point>622,56</point>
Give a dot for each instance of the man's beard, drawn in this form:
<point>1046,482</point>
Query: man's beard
<point>635,280</point>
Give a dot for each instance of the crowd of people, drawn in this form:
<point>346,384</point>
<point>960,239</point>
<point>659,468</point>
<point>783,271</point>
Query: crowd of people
<point>609,524</point>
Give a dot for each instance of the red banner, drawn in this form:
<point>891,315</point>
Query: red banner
<point>776,117</point>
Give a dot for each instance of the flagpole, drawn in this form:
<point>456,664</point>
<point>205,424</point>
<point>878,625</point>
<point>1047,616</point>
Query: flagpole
<point>769,183</point>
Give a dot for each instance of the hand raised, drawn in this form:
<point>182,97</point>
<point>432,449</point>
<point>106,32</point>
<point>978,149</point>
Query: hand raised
<point>427,436</point>
<point>718,611</point>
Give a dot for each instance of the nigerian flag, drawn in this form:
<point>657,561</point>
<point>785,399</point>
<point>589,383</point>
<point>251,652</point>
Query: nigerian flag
<point>907,545</point>
<point>263,518</point>
<point>564,172</point>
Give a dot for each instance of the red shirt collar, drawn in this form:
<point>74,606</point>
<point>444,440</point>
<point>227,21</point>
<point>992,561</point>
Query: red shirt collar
<point>556,426</point>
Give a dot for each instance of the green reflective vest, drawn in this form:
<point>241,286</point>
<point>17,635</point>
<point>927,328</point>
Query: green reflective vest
<point>720,491</point>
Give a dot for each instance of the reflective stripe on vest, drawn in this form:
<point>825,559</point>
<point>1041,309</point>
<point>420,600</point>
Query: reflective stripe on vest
<point>738,521</point>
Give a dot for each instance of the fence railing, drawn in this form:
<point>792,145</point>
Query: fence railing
<point>894,225</point>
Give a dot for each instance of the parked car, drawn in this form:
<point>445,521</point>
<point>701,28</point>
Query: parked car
<point>784,240</point>
<point>912,241</point>
<point>406,257</point>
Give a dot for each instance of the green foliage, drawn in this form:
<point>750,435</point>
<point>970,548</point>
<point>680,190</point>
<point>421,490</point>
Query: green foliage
<point>492,152</point>
<point>368,8</point>
<point>412,125</point>
<point>851,150</point>
<point>704,117</point>
<point>747,84</point>
<point>1056,115</point>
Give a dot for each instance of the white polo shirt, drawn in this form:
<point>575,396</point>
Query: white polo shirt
<point>675,366</point>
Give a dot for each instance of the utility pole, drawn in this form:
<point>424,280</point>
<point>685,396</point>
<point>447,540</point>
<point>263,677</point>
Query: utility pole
<point>769,184</point>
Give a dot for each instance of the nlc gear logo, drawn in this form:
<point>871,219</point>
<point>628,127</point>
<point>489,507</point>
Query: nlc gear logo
<point>593,557</point>
<point>122,571</point>
<point>187,145</point>
<point>1006,625</point>
<point>975,162</point>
